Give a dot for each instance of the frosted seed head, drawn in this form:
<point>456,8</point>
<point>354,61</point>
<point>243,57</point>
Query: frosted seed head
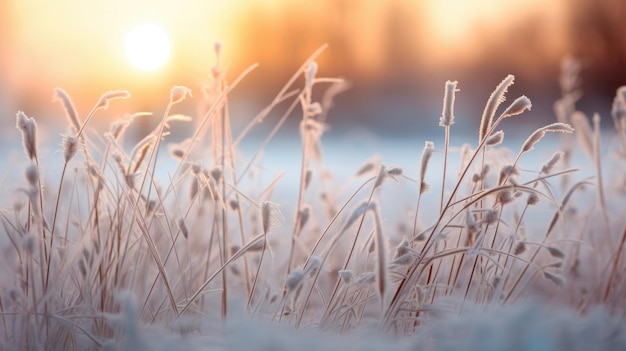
<point>294,279</point>
<point>70,147</point>
<point>507,172</point>
<point>504,197</point>
<point>179,93</point>
<point>346,276</point>
<point>533,198</point>
<point>518,106</point>
<point>495,138</point>
<point>394,171</point>
<point>196,169</point>
<point>491,216</point>
<point>549,166</point>
<point>495,99</point>
<point>447,116</point>
<point>313,265</point>
<point>476,178</point>
<point>558,128</point>
<point>358,212</point>
<point>520,248</point>
<point>61,96</point>
<point>382,174</point>
<point>216,174</point>
<point>402,248</point>
<point>555,278</point>
<point>269,215</point>
<point>368,167</point>
<point>427,153</point>
<point>103,102</point>
<point>534,138</point>
<point>471,225</point>
<point>304,215</point>
<point>234,205</point>
<point>177,153</point>
<point>266,215</point>
<point>183,227</point>
<point>556,253</point>
<point>28,127</point>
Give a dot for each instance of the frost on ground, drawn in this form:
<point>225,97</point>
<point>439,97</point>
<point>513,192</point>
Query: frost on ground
<point>519,327</point>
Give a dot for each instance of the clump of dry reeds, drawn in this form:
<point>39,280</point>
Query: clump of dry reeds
<point>120,245</point>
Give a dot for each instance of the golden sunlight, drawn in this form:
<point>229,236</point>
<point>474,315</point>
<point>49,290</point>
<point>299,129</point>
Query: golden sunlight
<point>147,47</point>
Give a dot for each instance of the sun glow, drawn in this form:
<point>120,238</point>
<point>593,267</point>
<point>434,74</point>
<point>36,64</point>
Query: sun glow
<point>147,47</point>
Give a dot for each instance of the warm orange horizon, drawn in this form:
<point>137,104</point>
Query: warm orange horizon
<point>79,45</point>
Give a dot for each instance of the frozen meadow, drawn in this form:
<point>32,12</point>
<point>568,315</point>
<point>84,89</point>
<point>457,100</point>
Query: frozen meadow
<point>459,240</point>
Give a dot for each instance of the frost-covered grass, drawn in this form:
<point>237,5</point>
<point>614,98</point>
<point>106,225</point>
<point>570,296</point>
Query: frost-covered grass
<point>122,251</point>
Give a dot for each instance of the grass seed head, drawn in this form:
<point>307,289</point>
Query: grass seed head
<point>427,153</point>
<point>314,264</point>
<point>556,253</point>
<point>69,146</point>
<point>346,276</point>
<point>269,215</point>
<point>496,98</point>
<point>304,214</point>
<point>382,174</point>
<point>495,138</point>
<point>533,198</point>
<point>520,248</point>
<point>504,197</point>
<point>183,227</point>
<point>104,100</point>
<point>549,166</point>
<point>28,127</point>
<point>447,115</point>
<point>491,216</point>
<point>295,279</point>
<point>518,106</point>
<point>368,167</point>
<point>179,93</point>
<point>63,97</point>
<point>555,278</point>
<point>537,135</point>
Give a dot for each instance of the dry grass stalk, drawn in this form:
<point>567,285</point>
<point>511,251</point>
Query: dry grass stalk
<point>118,232</point>
<point>70,110</point>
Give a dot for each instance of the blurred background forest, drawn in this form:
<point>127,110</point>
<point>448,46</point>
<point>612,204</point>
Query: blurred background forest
<point>396,54</point>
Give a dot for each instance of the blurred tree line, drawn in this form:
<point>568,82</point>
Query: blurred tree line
<point>374,42</point>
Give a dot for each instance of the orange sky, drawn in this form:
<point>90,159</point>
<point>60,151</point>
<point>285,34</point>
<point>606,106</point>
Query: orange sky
<point>79,45</point>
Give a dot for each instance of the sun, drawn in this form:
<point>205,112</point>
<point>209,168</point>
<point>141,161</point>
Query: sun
<point>147,46</point>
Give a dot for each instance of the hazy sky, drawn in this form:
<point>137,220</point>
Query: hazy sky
<point>79,45</point>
